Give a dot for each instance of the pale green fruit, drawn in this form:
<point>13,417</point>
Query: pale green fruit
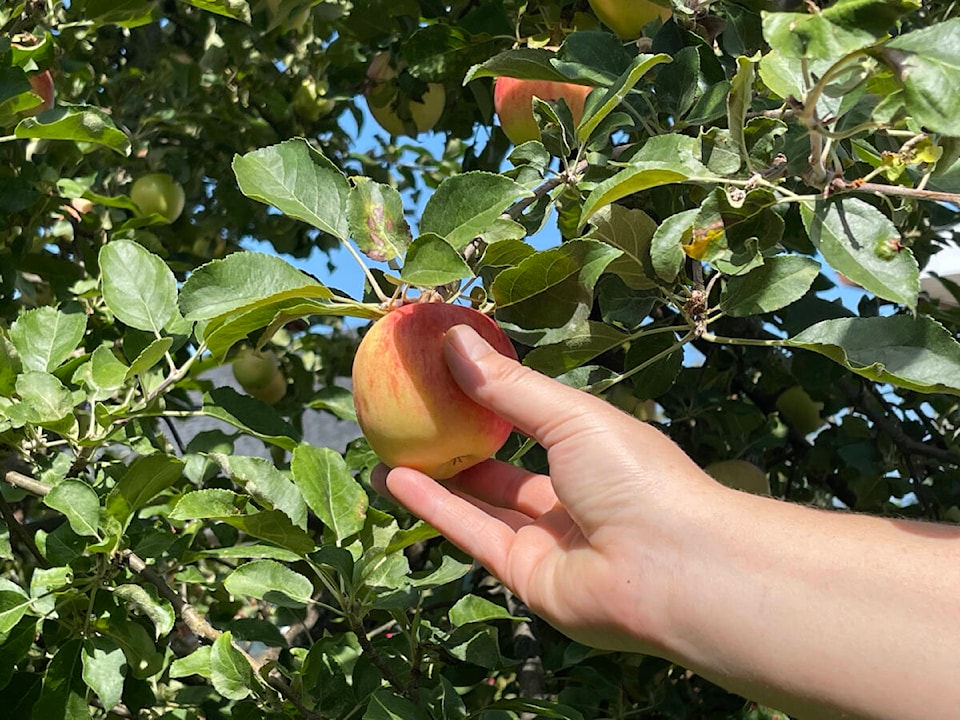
<point>158,193</point>
<point>800,410</point>
<point>740,475</point>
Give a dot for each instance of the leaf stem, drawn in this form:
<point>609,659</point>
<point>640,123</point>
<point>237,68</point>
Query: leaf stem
<point>367,272</point>
<point>710,337</point>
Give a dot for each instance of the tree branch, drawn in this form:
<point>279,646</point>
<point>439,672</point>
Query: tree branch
<point>845,186</point>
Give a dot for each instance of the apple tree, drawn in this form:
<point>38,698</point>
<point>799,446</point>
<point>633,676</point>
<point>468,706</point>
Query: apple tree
<point>724,222</point>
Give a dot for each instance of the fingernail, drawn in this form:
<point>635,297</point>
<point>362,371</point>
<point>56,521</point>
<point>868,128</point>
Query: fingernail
<point>467,342</point>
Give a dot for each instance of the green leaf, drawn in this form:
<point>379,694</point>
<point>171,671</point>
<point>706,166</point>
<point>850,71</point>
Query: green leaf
<point>126,13</point>
<point>251,416</point>
<point>107,372</point>
<point>245,552</point>
<point>265,482</point>
<point>79,502</point>
<point>666,246</point>
<point>418,532</point>
<point>631,232</point>
<point>475,644</point>
<point>523,63</point>
<point>196,663</point>
<point>450,569</point>
<point>138,287</point>
<point>149,604</point>
<point>780,281</point>
<point>81,124</point>
<point>335,399</point>
<point>878,17</point>
<point>465,205</point>
<point>15,646</point>
<point>597,111</point>
<point>13,606</point>
<point>46,584</point>
<point>738,103</point>
<point>663,160</point>
<point>579,347</point>
<point>913,353</point>
<point>64,694</point>
<point>927,63</point>
<point>230,672</point>
<point>377,221</point>
<point>549,288</point>
<point>659,375</point>
<point>812,35</point>
<point>10,366</point>
<point>204,504</point>
<point>431,261</point>
<point>149,357</point>
<point>472,608</point>
<point>329,489</point>
<point>44,399</point>
<point>144,659</point>
<point>446,703</point>
<point>273,312</point>
<point>234,9</point>
<point>541,708</point>
<point>387,705</point>
<point>852,236</point>
<point>103,666</point>
<point>299,181</point>
<point>45,337</point>
<point>275,527</point>
<point>243,279</point>
<point>269,580</point>
<point>145,478</point>
<point>677,87</point>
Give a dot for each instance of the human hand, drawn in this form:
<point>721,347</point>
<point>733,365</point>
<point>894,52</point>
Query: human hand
<point>593,547</point>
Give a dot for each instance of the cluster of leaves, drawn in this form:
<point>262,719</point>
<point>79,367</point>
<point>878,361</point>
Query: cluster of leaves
<point>722,167</point>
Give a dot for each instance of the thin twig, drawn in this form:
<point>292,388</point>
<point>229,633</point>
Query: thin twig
<point>16,529</point>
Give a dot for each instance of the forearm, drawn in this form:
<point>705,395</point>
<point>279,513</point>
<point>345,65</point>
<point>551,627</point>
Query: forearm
<point>822,614</point>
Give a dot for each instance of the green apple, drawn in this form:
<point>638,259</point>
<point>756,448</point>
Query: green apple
<point>387,106</point>
<point>628,18</point>
<point>410,409</point>
<point>158,193</point>
<point>740,475</point>
<point>259,374</point>
<point>800,410</point>
<point>513,102</point>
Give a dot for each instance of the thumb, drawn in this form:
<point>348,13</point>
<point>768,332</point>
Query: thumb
<point>540,407</point>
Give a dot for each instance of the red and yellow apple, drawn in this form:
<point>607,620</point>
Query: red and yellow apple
<point>41,84</point>
<point>259,374</point>
<point>627,18</point>
<point>513,101</point>
<point>410,409</point>
<point>384,101</point>
<point>158,193</point>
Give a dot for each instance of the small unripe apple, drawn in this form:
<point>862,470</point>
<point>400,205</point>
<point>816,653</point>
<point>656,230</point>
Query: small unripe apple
<point>158,193</point>
<point>383,99</point>
<point>409,407</point>
<point>513,101</point>
<point>627,18</point>
<point>259,375</point>
<point>42,84</point>
<point>740,475</point>
<point>800,410</point>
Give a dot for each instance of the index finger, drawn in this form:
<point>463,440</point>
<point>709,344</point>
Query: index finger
<point>538,406</point>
